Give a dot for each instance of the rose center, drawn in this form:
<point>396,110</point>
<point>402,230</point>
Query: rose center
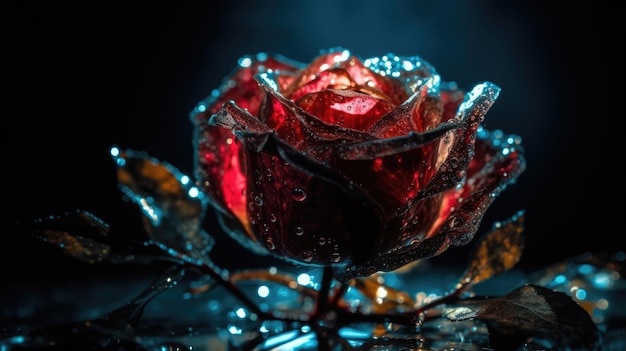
<point>346,108</point>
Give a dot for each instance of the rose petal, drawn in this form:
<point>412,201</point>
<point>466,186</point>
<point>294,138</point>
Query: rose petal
<point>411,70</point>
<point>406,118</point>
<point>219,169</point>
<point>498,163</point>
<point>339,58</point>
<point>378,148</point>
<point>459,148</point>
<point>407,184</point>
<point>241,86</point>
<point>303,211</point>
<point>393,171</point>
<point>331,79</point>
<point>234,118</point>
<point>296,126</point>
<point>321,63</point>
<point>398,257</point>
<point>346,108</point>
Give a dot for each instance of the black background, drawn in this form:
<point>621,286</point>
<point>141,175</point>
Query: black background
<point>80,76</point>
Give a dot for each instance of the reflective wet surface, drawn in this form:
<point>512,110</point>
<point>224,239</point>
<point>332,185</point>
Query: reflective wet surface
<point>176,311</point>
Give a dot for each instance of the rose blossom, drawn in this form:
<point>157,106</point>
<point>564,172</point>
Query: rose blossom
<point>344,161</point>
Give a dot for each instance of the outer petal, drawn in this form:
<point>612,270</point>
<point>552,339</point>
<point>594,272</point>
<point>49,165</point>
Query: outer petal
<point>241,86</point>
<point>456,152</point>
<point>410,72</point>
<point>393,171</point>
<point>358,71</point>
<point>414,187</point>
<point>296,126</point>
<point>220,176</point>
<point>421,112</point>
<point>498,162</point>
<point>346,108</point>
<point>302,211</point>
<point>217,163</point>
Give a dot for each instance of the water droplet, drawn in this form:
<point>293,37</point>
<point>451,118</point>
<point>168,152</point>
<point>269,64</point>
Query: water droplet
<point>272,217</point>
<point>454,162</point>
<point>299,231</point>
<point>270,244</point>
<point>308,255</point>
<point>455,221</point>
<point>258,201</point>
<point>298,194</point>
<point>322,241</point>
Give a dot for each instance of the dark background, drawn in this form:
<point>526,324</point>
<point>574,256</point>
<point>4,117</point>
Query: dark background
<point>78,77</point>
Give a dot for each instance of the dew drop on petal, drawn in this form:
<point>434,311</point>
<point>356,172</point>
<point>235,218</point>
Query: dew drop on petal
<point>455,221</point>
<point>298,194</point>
<point>299,231</point>
<point>258,201</point>
<point>257,174</point>
<point>270,244</point>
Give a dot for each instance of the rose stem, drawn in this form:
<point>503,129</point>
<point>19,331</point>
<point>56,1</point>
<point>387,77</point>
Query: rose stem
<point>322,296</point>
<point>232,288</point>
<point>453,296</point>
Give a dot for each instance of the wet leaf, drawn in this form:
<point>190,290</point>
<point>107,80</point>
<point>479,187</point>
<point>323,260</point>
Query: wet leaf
<point>114,331</point>
<point>71,232</point>
<point>496,252</point>
<point>532,313</point>
<point>173,207</point>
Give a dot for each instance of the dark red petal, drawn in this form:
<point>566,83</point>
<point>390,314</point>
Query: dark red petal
<point>321,63</point>
<point>219,171</point>
<point>433,104</point>
<point>345,108</point>
<point>499,161</point>
<point>391,88</point>
<point>242,88</point>
<point>296,126</point>
<point>402,120</point>
<point>330,79</point>
<point>392,171</point>
<point>459,146</point>
<point>409,185</point>
<point>378,148</point>
<point>302,211</point>
<point>398,257</point>
<point>234,118</point>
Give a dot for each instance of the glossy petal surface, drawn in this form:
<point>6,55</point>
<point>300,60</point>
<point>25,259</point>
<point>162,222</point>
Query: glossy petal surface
<point>344,161</point>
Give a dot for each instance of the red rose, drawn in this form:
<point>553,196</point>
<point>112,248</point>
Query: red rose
<point>371,163</point>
